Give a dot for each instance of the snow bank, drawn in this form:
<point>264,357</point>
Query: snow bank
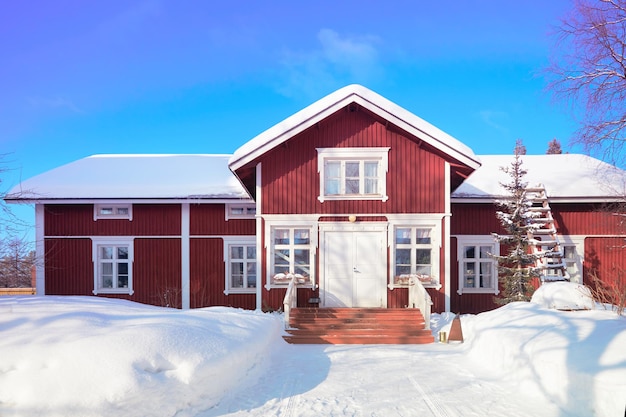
<point>576,358</point>
<point>91,356</point>
<point>563,296</point>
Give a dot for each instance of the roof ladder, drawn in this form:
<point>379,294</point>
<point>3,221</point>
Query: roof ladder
<point>543,239</point>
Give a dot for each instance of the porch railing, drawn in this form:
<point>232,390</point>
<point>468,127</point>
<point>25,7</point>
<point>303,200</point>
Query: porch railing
<point>291,299</point>
<point>419,298</point>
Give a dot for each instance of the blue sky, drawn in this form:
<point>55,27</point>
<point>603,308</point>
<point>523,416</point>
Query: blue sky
<point>81,78</point>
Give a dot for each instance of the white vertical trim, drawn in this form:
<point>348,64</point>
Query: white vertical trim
<point>259,239</point>
<point>446,238</point>
<point>185,255</point>
<point>40,270</point>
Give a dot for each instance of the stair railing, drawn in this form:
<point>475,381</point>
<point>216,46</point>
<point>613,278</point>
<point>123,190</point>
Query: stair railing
<point>420,299</point>
<point>291,299</point>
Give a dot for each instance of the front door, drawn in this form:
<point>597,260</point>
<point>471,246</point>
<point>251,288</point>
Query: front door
<point>355,260</point>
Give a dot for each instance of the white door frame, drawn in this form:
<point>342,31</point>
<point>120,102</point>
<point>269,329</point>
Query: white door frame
<point>380,227</point>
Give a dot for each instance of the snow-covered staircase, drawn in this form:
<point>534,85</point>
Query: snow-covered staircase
<point>543,240</point>
<point>357,326</point>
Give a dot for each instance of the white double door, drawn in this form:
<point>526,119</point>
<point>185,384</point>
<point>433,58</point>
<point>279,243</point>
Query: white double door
<point>354,259</point>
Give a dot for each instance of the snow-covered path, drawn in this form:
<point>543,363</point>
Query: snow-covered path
<point>427,380</point>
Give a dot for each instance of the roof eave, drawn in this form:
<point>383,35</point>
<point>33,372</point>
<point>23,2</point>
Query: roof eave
<point>328,105</point>
<point>564,200</point>
<point>147,200</point>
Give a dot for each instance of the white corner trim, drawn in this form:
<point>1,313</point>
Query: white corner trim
<point>40,250</point>
<point>446,239</point>
<point>185,256</point>
<point>259,238</point>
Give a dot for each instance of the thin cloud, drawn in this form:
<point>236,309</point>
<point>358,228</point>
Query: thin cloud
<point>494,119</point>
<point>54,103</point>
<point>337,61</point>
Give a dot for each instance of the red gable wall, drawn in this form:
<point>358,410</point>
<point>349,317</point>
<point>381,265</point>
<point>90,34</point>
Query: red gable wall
<point>415,179</point>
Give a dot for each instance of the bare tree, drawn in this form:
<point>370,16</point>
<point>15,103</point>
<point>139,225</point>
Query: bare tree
<point>589,72</point>
<point>554,147</point>
<point>17,258</point>
<point>17,261</point>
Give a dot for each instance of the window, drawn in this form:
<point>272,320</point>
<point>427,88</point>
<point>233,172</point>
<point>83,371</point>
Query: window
<point>113,211</point>
<point>113,259</point>
<point>477,267</point>
<point>415,255</point>
<point>291,254</point>
<point>573,249</point>
<point>240,260</point>
<point>240,211</point>
<point>571,259</point>
<point>352,173</point>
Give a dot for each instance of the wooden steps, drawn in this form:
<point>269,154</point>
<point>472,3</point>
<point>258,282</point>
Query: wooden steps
<point>357,326</point>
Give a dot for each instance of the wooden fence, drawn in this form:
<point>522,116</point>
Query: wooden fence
<point>18,291</point>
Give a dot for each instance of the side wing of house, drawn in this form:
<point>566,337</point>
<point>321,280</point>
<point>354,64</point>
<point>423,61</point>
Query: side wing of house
<point>180,232</point>
<point>583,193</point>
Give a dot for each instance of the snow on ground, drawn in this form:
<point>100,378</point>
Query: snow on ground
<point>88,356</point>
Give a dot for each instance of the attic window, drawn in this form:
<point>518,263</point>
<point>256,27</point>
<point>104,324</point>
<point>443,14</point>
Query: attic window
<point>240,211</point>
<point>113,211</point>
<point>353,173</point>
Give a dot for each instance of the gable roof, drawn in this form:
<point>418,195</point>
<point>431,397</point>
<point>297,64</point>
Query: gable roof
<point>135,177</point>
<point>333,102</point>
<point>566,177</point>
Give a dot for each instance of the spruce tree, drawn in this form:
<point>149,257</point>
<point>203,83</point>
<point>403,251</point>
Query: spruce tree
<point>517,267</point>
<point>554,147</point>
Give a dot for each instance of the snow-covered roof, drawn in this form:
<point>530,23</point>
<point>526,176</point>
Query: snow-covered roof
<point>565,176</point>
<point>135,177</point>
<point>370,100</point>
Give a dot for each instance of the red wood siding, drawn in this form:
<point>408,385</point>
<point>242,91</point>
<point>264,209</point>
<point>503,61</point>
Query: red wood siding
<point>156,272</point>
<point>606,258</point>
<point>68,267</point>
<point>207,277</point>
<point>571,219</point>
<point>273,299</point>
<point>474,219</point>
<point>585,219</point>
<point>209,219</point>
<point>77,220</point>
<point>415,179</point>
<point>397,298</point>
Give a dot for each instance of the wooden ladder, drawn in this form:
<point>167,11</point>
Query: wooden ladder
<point>543,239</point>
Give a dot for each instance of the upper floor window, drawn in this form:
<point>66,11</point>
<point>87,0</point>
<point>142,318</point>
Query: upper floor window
<point>112,260</point>
<point>113,211</point>
<point>353,173</point>
<point>240,211</point>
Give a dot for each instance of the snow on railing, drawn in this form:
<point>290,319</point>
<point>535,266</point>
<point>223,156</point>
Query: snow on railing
<point>291,298</point>
<point>419,298</point>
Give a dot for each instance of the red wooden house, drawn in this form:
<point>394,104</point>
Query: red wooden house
<point>353,197</point>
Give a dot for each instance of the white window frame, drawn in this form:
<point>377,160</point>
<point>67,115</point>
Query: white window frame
<point>434,245</point>
<point>115,242</point>
<point>245,241</point>
<point>477,241</point>
<point>118,211</point>
<point>270,227</point>
<point>578,242</point>
<point>248,211</point>
<point>362,155</point>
